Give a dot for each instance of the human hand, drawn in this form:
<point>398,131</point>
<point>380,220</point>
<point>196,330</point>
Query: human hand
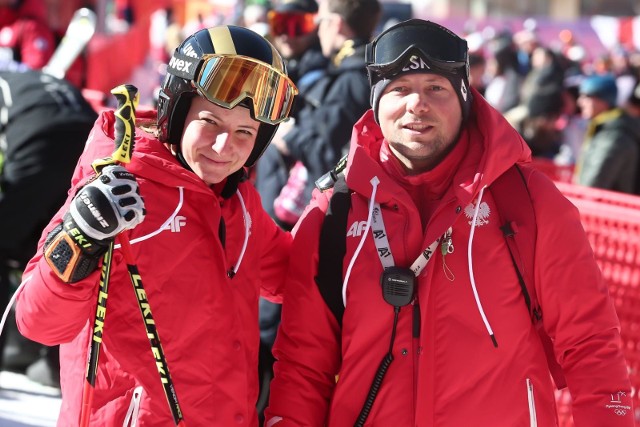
<point>108,205</point>
<point>101,209</point>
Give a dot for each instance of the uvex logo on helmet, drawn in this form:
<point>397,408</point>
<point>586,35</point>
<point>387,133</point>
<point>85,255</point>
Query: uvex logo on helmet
<point>181,65</point>
<point>189,51</point>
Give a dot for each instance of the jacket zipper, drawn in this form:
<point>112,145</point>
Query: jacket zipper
<point>131,419</point>
<point>417,350</point>
<point>533,419</point>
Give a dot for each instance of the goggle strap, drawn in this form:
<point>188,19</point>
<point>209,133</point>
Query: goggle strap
<point>183,66</point>
<point>368,54</point>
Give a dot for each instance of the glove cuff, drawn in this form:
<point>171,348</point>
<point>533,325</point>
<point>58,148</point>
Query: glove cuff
<point>71,254</point>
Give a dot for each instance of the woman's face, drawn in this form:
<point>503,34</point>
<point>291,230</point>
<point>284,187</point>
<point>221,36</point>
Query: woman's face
<point>217,142</point>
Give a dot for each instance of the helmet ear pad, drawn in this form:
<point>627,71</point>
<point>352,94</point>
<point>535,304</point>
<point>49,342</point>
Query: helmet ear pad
<point>178,117</point>
<point>263,138</point>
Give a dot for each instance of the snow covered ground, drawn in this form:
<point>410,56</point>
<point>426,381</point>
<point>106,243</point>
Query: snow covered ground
<point>24,403</point>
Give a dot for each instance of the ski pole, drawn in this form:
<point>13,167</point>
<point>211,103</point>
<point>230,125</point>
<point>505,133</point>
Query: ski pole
<point>124,146</point>
<point>125,128</point>
<point>96,339</point>
<point>152,333</point>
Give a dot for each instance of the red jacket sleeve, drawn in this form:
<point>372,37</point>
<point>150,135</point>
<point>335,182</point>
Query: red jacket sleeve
<point>275,247</point>
<point>307,347</point>
<point>578,313</point>
<point>48,310</point>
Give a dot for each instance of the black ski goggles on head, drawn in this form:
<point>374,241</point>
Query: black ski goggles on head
<point>441,49</point>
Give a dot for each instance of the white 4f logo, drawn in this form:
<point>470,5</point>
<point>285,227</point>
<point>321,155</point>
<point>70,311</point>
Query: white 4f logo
<point>483,213</point>
<point>176,224</point>
<point>357,228</point>
<point>415,63</point>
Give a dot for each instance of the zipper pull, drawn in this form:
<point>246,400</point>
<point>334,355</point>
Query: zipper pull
<point>446,248</point>
<point>447,244</point>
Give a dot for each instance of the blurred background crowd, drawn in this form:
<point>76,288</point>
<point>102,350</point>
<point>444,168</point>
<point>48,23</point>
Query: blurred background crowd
<point>565,74</point>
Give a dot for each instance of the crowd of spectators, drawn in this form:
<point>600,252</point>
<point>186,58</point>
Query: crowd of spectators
<point>575,110</point>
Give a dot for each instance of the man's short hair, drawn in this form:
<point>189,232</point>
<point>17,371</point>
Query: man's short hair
<point>361,15</point>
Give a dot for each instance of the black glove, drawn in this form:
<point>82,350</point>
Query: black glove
<point>101,209</point>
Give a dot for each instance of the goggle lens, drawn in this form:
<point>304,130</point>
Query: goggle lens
<point>228,80</point>
<point>292,24</point>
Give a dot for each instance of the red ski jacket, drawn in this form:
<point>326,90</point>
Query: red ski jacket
<point>447,371</point>
<point>207,322</point>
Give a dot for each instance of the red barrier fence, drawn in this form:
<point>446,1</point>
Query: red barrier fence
<point>612,223</point>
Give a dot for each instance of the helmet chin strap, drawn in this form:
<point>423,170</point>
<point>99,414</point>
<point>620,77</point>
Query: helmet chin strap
<point>182,160</point>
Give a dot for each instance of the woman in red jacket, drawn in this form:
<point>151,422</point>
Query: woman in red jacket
<point>206,250</point>
<point>428,286</point>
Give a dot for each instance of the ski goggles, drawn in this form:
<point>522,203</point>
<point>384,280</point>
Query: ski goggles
<point>439,48</point>
<point>292,24</point>
<point>228,80</point>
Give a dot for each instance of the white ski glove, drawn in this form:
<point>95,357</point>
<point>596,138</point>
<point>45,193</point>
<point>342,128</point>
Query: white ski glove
<point>108,205</point>
<point>103,208</point>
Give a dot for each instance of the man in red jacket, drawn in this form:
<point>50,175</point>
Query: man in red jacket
<point>205,251</point>
<point>435,330</point>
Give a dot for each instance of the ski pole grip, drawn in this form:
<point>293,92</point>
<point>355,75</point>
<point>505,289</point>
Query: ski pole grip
<point>127,98</point>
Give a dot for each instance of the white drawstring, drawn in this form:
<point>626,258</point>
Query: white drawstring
<point>273,421</point>
<point>470,261</point>
<point>11,302</point>
<point>131,418</point>
<point>163,226</point>
<point>374,183</point>
<point>247,229</point>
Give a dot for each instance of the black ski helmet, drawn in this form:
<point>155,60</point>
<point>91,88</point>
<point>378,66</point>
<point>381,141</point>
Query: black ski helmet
<point>414,46</point>
<point>228,42</point>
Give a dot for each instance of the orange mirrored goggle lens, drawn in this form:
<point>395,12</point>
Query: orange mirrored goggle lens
<point>292,24</point>
<point>228,80</point>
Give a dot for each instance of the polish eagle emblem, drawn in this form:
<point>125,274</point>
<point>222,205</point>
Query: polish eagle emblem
<point>483,213</point>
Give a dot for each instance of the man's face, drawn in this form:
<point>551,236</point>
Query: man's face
<point>328,28</point>
<point>293,47</point>
<point>590,106</point>
<point>420,116</point>
<point>292,32</point>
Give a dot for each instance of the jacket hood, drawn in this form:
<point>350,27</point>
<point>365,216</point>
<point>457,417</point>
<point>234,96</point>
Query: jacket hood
<point>631,125</point>
<point>154,160</point>
<point>494,146</point>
